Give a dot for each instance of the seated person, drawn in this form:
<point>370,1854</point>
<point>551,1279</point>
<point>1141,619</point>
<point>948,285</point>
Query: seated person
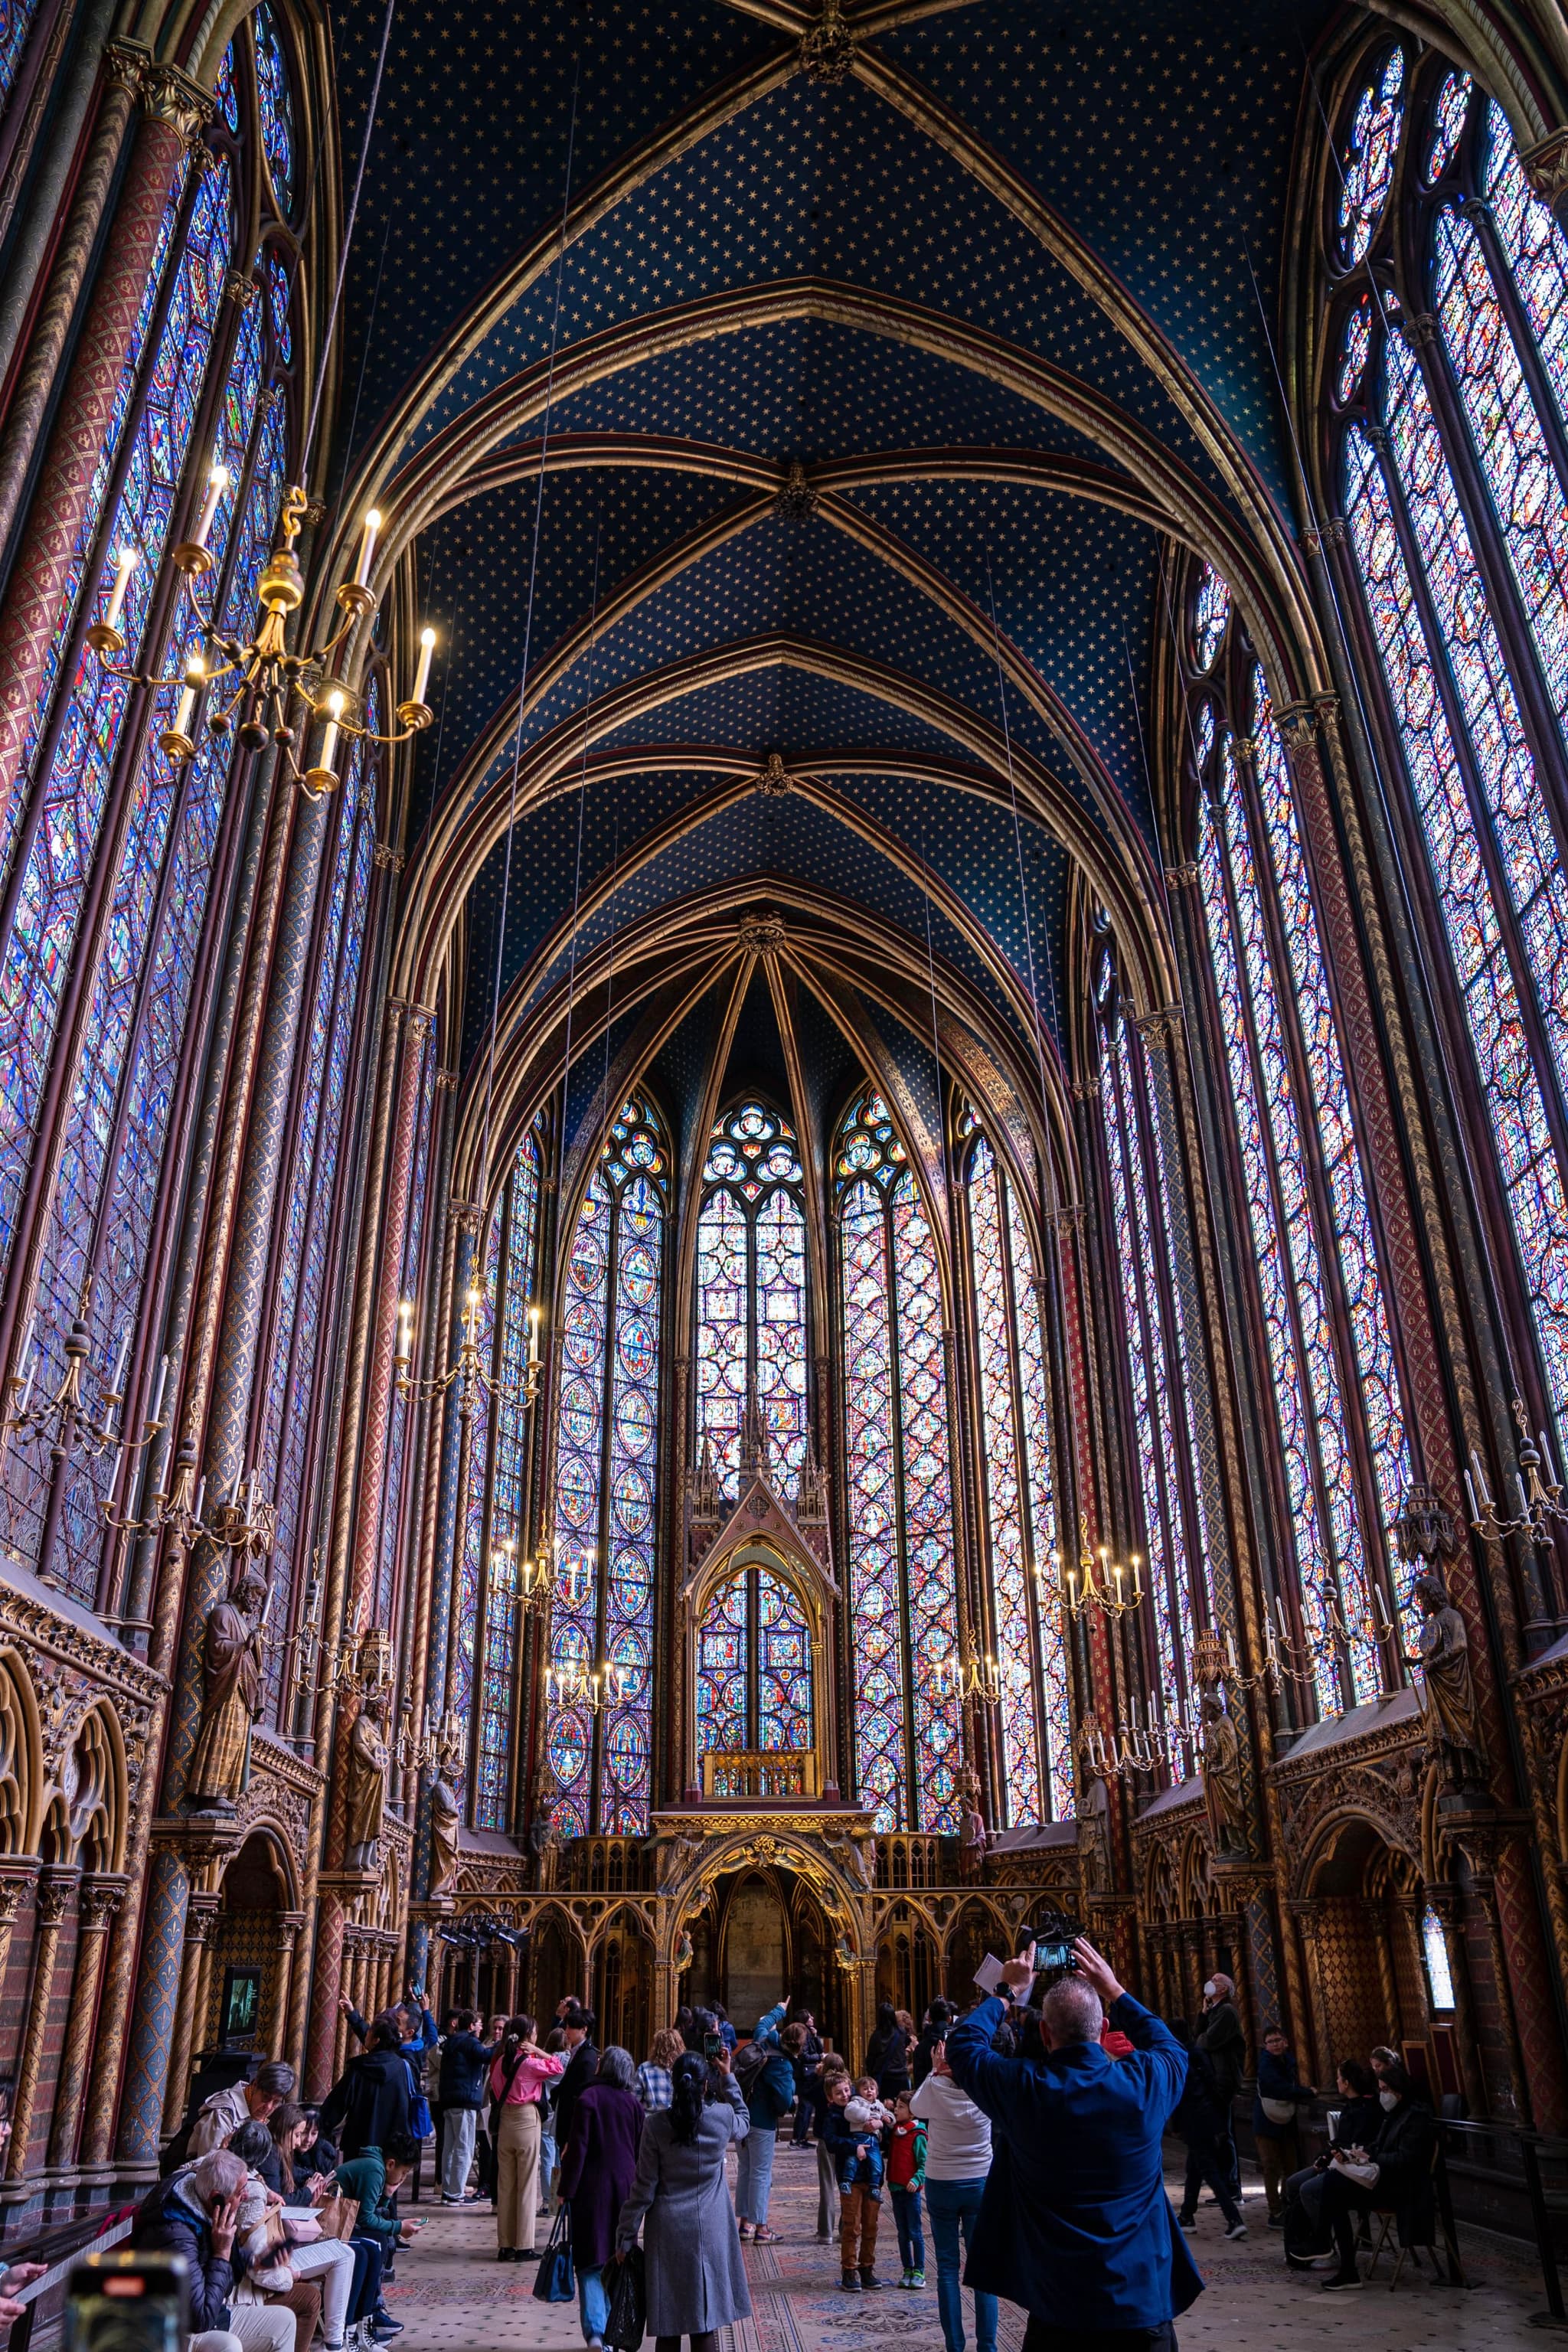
<point>283,2244</point>
<point>375,2177</point>
<point>1356,2123</point>
<point>1394,2172</point>
<point>194,2213</point>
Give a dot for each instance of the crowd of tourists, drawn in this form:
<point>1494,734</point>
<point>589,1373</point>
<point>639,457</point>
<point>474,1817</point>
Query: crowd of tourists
<point>1024,2138</point>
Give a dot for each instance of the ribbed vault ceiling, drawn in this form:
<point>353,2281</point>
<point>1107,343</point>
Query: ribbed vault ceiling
<point>993,291</point>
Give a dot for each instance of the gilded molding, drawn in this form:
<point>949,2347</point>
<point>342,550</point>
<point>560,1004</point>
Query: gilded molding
<point>1545,166</point>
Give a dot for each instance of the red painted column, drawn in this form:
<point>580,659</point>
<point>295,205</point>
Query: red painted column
<point>36,587</point>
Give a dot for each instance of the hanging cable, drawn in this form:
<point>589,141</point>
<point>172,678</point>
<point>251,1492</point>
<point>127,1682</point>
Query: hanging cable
<point>347,245</point>
<point>1046,1155</point>
<point>527,645</point>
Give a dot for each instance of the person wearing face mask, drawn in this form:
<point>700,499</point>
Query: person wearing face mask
<point>1394,2172</point>
<point>1220,2038</point>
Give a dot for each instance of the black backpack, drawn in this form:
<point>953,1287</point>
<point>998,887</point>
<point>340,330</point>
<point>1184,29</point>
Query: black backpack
<point>749,2065</point>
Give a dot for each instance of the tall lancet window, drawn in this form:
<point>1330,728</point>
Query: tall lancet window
<point>494,1532</point>
<point>111,855</point>
<point>1020,1503</point>
<point>1449,434</point>
<point>751,1294</point>
<point>606,1487</point>
<point>903,1586</point>
<point>1160,1356</point>
<point>1324,1326</point>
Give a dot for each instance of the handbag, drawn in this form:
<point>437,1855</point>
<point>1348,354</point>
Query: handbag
<point>555,2281</point>
<point>339,2215</point>
<point>626,2282</point>
<point>420,2124</point>
<point>1278,2111</point>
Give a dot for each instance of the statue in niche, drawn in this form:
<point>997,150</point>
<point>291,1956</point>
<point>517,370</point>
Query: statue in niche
<point>366,1782</point>
<point>232,1689</point>
<point>445,1819</point>
<point>544,1838</point>
<point>1454,1735</point>
<point>1225,1799</point>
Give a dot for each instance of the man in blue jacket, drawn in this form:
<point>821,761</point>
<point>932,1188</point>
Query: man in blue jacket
<point>1075,2225</point>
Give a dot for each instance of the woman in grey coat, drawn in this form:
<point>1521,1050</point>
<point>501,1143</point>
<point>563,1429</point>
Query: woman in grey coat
<point>695,2273</point>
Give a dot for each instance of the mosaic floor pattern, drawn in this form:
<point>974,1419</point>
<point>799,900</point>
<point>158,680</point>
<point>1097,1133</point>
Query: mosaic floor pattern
<point>453,2296</point>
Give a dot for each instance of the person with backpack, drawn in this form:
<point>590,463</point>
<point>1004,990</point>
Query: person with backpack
<point>765,2076</point>
<point>518,2073</point>
<point>373,2100</point>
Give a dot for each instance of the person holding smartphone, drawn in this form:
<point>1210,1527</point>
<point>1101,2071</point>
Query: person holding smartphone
<point>1075,2224</point>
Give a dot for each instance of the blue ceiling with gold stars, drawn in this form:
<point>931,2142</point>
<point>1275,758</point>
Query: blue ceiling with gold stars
<point>996,300</point>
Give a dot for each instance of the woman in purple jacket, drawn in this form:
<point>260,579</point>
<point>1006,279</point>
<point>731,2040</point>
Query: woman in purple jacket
<point>598,2165</point>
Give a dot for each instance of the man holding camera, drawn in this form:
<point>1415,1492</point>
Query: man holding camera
<point>1075,2224</point>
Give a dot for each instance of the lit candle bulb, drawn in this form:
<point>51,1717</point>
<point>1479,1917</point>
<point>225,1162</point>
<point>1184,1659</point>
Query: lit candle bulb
<point>1137,1586</point>
<point>367,549</point>
<point>217,482</point>
<point>201,1497</point>
<point>1230,1648</point>
<point>125,565</point>
<point>1483,1489</point>
<point>533,1334</point>
<point>1470,1491</point>
<point>421,675</point>
<point>186,711</point>
<point>405,1329</point>
<point>330,731</point>
<point>158,1391</point>
<point>115,1385</point>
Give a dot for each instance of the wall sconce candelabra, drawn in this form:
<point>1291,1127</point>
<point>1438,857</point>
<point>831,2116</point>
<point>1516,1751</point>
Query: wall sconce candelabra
<point>63,1411</point>
<point>440,1743</point>
<point>467,1370</point>
<point>1542,1506</point>
<point>1136,1748</point>
<point>262,686</point>
<point>535,1579</point>
<point>1118,1591</point>
<point>591,1688</point>
<point>970,1679</point>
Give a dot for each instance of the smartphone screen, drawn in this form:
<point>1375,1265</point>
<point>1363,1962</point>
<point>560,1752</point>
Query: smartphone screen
<point>127,2303</point>
<point>713,2047</point>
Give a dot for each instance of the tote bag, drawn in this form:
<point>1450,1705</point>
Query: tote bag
<point>555,2283</point>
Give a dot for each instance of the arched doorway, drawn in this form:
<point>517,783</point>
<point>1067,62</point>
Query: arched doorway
<point>755,1949</point>
<point>243,2004</point>
<point>1367,1973</point>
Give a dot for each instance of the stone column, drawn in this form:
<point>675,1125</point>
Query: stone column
<point>100,1898</point>
<point>289,1926</point>
<point>15,1883</point>
<point>1305,1911</point>
<point>201,1923</point>
<point>57,1883</point>
<point>40,574</point>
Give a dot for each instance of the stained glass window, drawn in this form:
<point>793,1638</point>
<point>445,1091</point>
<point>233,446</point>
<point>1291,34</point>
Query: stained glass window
<point>1019,1506</point>
<point>1163,1443</point>
<point>1366,160</point>
<point>903,1597</point>
<point>299,1353</point>
<point>1457,587</point>
<point>751,1294</point>
<point>15,21</point>
<point>509,1482</point>
<point>94,824</point>
<point>480,1326</point>
<point>276,102</point>
<point>1313,1238</point>
<point>400,1450</point>
<point>753,1666</point>
<point>606,1487</point>
<point>1435,1952</point>
<point>59,835</point>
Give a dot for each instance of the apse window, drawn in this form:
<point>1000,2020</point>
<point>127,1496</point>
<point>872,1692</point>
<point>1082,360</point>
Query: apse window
<point>1435,1951</point>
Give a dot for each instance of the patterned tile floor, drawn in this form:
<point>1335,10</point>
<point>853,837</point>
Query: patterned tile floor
<point>453,2296</point>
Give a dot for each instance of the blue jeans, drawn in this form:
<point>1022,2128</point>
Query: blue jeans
<point>365,2291</point>
<point>954,2205</point>
<point>907,2216</point>
<point>593,2303</point>
<point>754,2175</point>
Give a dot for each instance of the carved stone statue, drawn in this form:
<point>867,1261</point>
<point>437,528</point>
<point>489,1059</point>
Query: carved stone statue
<point>232,1688</point>
<point>366,1783</point>
<point>446,1818</point>
<point>543,1838</point>
<point>683,1953</point>
<point>1224,1796</point>
<point>1454,1735</point>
